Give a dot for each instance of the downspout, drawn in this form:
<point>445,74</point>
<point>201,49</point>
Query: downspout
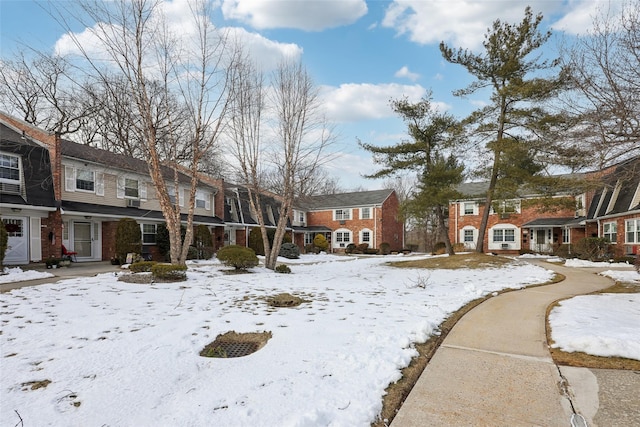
<point>375,227</point>
<point>455,215</point>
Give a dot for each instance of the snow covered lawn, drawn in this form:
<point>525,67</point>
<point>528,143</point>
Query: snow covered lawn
<point>122,354</point>
<point>601,325</point>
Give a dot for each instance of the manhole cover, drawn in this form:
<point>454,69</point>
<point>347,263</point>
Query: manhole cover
<point>233,344</point>
<point>238,349</point>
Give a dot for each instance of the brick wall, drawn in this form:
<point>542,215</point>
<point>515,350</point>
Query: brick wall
<point>392,229</point>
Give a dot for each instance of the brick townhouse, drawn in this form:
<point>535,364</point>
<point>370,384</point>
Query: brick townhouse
<point>538,223</point>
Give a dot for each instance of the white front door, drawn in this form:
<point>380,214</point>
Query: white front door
<point>18,242</point>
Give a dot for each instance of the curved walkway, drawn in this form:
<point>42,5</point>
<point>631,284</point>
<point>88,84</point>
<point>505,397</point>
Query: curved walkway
<point>494,369</point>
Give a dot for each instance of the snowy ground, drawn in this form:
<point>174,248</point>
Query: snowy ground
<point>121,354</point>
<point>602,325</point>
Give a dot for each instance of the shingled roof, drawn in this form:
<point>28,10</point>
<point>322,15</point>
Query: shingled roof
<point>344,200</point>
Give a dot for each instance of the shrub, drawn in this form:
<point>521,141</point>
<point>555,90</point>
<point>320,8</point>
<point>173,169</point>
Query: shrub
<point>320,242</point>
<point>202,242</point>
<point>362,247</point>
<point>439,248</point>
<point>128,238</point>
<point>255,241</point>
<point>290,251</point>
<point>311,249</point>
<point>237,257</point>
<point>350,249</point>
<point>169,272</point>
<point>459,247</point>
<point>4,243</point>
<point>371,251</point>
<point>637,263</point>
<point>385,248</point>
<point>142,266</point>
<point>162,240</point>
<point>282,268</point>
<point>593,249</point>
<point>562,250</point>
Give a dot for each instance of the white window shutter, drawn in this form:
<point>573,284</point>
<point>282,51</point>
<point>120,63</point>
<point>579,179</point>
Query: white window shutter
<point>143,190</point>
<point>180,197</point>
<point>120,188</point>
<point>69,178</point>
<point>99,184</point>
<point>207,201</point>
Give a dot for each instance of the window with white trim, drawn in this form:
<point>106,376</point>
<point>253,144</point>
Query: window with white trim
<point>566,235</point>
<point>365,213</point>
<point>10,173</point>
<point>610,231</point>
<point>469,208</point>
<point>131,188</point>
<point>343,236</point>
<point>632,231</point>
<point>203,200</point>
<point>468,235</point>
<point>342,214</point>
<point>85,180</point>
<point>149,234</point>
<point>505,207</point>
<point>365,236</point>
<point>504,235</point>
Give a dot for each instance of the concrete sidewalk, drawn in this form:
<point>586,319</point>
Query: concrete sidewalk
<point>76,269</point>
<point>494,369</point>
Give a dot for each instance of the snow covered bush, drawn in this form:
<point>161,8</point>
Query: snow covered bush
<point>237,257</point>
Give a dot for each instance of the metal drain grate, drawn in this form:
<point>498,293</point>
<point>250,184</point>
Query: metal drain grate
<point>237,349</point>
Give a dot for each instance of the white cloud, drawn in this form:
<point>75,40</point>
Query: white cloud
<point>313,15</point>
<point>364,101</point>
<point>580,15</point>
<point>405,73</point>
<point>460,23</point>
<point>267,53</point>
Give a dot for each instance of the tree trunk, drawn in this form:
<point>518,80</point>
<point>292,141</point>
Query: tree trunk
<point>443,228</point>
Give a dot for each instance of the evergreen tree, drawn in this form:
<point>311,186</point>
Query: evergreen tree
<point>431,134</point>
<point>515,127</point>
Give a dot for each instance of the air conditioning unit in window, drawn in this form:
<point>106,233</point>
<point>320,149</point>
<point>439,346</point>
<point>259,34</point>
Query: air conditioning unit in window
<point>133,203</point>
<point>505,246</point>
<point>504,216</point>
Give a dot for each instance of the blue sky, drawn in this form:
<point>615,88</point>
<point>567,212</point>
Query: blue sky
<point>360,53</point>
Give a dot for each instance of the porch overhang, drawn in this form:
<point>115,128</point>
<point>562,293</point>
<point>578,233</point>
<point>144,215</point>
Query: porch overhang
<point>570,222</point>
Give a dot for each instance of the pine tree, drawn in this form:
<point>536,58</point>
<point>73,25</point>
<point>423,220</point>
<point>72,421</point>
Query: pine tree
<point>515,126</point>
<point>432,133</point>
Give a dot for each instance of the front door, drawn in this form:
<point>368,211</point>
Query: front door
<point>18,242</point>
<point>82,239</point>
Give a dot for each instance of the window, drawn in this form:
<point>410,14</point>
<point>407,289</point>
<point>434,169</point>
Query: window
<point>149,234</point>
<point>566,236</point>
<point>342,214</point>
<point>468,236</point>
<point>301,217</point>
<point>203,200</point>
<point>610,231</point>
<point>366,237</point>
<point>308,238</point>
<point>9,173</point>
<point>632,230</point>
<point>505,206</point>
<point>85,180</point>
<point>131,188</point>
<point>504,235</point>
<point>343,236</point>
<point>14,227</point>
<point>469,208</point>
<point>365,213</point>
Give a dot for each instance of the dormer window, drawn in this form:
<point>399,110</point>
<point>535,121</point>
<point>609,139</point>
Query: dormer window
<point>342,214</point>
<point>9,173</point>
<point>85,180</point>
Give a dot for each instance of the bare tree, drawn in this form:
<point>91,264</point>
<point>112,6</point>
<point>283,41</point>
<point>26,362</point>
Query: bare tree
<point>317,183</point>
<point>605,68</point>
<point>300,137</point>
<point>43,91</point>
<point>161,67</point>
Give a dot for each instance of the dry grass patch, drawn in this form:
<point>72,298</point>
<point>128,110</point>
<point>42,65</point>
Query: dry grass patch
<point>465,260</point>
<point>285,300</point>
<point>584,360</point>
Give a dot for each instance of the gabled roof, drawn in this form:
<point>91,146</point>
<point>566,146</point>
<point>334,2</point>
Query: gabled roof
<point>91,154</point>
<point>36,169</point>
<point>620,192</point>
<point>344,200</point>
<point>564,183</point>
<point>237,208</point>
